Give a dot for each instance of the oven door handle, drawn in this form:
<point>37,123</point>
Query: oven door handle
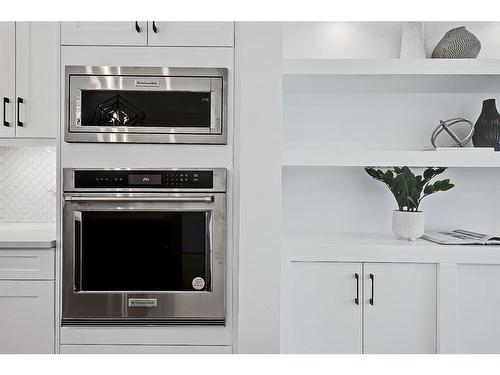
<point>203,199</point>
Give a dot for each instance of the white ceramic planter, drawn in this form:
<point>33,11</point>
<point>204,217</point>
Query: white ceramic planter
<point>408,225</point>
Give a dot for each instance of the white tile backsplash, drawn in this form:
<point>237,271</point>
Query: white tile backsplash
<point>27,184</point>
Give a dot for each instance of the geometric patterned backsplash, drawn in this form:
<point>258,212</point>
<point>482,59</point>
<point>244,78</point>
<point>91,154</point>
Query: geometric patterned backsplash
<point>27,184</point>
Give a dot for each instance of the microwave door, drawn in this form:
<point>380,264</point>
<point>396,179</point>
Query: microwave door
<point>176,106</point>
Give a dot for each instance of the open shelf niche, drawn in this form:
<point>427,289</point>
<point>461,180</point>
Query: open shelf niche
<point>345,108</point>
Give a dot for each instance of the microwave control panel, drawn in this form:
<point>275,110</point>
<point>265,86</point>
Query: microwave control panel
<point>171,179</point>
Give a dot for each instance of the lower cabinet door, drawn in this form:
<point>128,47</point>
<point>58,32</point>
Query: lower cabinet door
<point>478,308</point>
<point>27,317</point>
<point>399,308</point>
<point>324,316</point>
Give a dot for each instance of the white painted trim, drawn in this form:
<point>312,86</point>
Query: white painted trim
<point>258,97</point>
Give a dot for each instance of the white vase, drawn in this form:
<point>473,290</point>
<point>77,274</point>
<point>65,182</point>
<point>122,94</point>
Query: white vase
<point>413,41</point>
<point>408,225</point>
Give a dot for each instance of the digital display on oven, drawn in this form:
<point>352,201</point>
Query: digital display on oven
<point>144,179</point>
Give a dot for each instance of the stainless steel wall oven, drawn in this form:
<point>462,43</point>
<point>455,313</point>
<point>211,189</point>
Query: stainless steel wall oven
<point>144,246</point>
<point>146,105</point>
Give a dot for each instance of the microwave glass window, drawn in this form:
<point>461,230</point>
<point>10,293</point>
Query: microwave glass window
<point>113,108</point>
<point>143,251</point>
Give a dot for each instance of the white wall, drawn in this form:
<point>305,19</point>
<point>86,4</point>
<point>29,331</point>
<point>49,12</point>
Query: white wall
<point>334,40</point>
<point>354,40</point>
<point>258,161</point>
<point>346,199</point>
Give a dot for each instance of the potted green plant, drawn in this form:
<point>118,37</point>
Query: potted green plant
<point>409,190</point>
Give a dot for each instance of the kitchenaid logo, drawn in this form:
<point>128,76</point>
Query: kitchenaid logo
<point>147,83</point>
<point>142,302</point>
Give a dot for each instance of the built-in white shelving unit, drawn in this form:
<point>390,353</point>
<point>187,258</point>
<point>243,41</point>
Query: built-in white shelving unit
<point>346,107</point>
<point>350,102</point>
<point>360,158</point>
<point>312,67</point>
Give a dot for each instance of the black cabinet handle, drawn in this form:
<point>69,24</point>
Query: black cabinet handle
<point>19,102</point>
<point>155,29</point>
<point>5,101</point>
<point>137,27</point>
<point>372,278</point>
<point>356,300</point>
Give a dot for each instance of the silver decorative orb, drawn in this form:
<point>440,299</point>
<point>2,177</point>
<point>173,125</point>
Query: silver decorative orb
<point>446,126</point>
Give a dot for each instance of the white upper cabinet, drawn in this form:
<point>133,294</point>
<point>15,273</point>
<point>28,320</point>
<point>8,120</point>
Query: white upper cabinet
<point>7,78</point>
<point>323,314</point>
<point>400,308</point>
<point>37,77</point>
<point>29,79</point>
<point>153,33</point>
<point>191,34</point>
<point>112,33</point>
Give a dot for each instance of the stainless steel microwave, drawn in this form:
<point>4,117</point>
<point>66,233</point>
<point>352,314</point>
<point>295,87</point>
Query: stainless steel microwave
<point>113,104</point>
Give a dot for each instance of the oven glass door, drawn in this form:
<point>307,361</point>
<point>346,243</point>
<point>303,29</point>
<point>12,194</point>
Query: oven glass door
<point>142,104</point>
<point>138,251</point>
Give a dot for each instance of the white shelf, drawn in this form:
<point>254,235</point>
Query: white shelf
<point>367,247</point>
<point>313,67</point>
<point>357,158</point>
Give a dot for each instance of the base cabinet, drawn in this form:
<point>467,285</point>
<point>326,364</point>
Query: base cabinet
<point>478,309</point>
<point>324,317</point>
<point>339,307</point>
<point>26,316</point>
<point>400,315</point>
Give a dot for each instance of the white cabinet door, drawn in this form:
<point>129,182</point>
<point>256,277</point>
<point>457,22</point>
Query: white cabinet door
<point>478,308</point>
<point>7,78</point>
<point>37,79</point>
<point>27,317</point>
<point>324,316</point>
<point>191,34</point>
<point>400,314</point>
<point>110,33</point>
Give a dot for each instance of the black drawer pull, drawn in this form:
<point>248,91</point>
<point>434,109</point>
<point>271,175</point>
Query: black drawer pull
<point>5,101</point>
<point>356,300</point>
<point>372,278</point>
<point>155,29</point>
<point>137,27</point>
<point>19,102</point>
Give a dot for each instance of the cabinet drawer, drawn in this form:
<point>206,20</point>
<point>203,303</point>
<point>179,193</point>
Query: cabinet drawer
<point>144,349</point>
<point>27,311</point>
<point>27,264</point>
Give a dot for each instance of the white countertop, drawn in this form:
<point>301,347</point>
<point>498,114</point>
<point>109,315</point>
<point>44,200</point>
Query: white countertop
<point>364,247</point>
<point>27,235</point>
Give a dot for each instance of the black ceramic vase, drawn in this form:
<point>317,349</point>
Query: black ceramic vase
<point>487,128</point>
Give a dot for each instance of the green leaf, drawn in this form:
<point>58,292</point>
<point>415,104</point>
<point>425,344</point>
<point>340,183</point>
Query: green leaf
<point>429,173</point>
<point>429,189</point>
<point>407,188</point>
<point>388,177</point>
<point>447,187</point>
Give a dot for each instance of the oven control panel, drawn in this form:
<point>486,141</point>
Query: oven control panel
<point>173,179</point>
